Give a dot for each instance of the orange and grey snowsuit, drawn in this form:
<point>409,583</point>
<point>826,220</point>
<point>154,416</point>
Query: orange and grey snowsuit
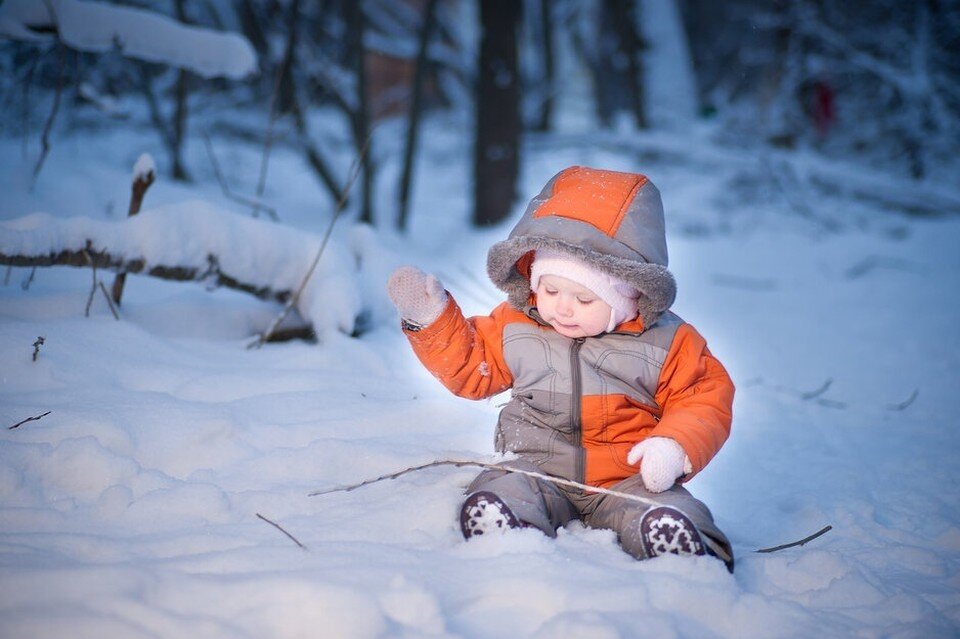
<point>578,406</point>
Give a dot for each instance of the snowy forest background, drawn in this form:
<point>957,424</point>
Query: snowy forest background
<point>200,203</point>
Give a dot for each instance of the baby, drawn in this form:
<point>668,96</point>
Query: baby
<point>608,387</point>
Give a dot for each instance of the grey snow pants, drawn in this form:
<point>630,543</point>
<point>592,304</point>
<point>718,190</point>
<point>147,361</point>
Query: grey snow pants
<point>548,506</point>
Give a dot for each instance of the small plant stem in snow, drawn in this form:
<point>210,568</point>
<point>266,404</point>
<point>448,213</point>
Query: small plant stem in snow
<point>280,528</point>
<point>36,347</point>
<point>106,296</point>
<point>25,284</point>
<point>93,288</point>
<point>29,419</point>
<point>822,531</point>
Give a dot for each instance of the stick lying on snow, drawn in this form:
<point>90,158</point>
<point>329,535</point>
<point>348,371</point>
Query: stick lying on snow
<point>459,463</point>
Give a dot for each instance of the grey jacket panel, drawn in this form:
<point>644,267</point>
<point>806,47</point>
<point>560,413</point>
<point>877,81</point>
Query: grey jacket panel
<point>542,421</point>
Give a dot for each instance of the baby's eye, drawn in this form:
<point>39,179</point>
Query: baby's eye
<point>549,291</point>
<point>585,301</point>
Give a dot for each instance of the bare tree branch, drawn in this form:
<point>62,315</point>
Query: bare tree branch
<point>29,419</point>
<point>45,137</point>
<point>103,259</point>
<point>820,532</point>
<point>281,529</point>
<point>227,193</point>
<point>292,301</point>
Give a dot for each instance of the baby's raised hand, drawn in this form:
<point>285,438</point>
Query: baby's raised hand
<point>418,296</point>
<point>664,460</point>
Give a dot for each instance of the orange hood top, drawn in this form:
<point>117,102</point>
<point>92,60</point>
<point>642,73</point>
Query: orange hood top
<point>611,220</point>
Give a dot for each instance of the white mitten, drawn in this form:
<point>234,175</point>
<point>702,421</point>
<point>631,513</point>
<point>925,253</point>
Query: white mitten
<point>663,461</point>
<point>418,296</point>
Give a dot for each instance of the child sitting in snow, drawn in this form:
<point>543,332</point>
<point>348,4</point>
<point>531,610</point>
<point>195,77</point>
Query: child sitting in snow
<point>604,377</point>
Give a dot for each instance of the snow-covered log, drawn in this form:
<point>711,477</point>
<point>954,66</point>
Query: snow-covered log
<point>193,241</point>
<point>99,27</point>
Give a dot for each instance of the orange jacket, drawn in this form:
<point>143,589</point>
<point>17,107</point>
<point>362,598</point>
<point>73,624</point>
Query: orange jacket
<point>663,383</point>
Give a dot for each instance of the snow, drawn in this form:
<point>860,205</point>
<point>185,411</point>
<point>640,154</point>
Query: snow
<point>131,508</point>
<point>144,167</point>
<point>100,27</point>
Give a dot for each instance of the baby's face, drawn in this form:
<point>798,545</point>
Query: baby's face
<point>571,309</point>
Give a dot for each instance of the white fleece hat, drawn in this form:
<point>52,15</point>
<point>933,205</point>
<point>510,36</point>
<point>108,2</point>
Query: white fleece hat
<point>620,296</point>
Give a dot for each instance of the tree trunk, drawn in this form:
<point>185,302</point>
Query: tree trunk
<point>545,112</point>
<point>179,124</point>
<point>617,69</point>
<point>356,25</point>
<point>416,108</point>
<point>497,149</point>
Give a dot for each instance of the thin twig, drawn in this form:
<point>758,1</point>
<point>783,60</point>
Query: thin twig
<point>818,392</point>
<point>280,528</point>
<point>45,137</point>
<point>272,118</point>
<point>822,531</point>
<point>29,419</point>
<point>227,193</point>
<point>93,289</point>
<point>106,295</point>
<point>490,466</point>
<point>25,284</point>
<point>354,172</point>
<point>903,405</point>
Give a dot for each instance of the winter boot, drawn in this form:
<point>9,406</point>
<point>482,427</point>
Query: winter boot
<point>485,513</point>
<point>667,530</point>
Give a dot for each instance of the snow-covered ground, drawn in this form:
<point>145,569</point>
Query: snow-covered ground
<point>131,508</point>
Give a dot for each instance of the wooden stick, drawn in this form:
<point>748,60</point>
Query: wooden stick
<point>355,171</point>
<point>490,466</point>
<point>822,531</point>
<point>45,137</point>
<point>93,289</point>
<point>280,528</point>
<point>141,182</point>
<point>29,419</point>
<point>106,296</point>
<point>554,480</point>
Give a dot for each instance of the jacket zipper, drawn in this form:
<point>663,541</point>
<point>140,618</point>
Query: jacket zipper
<point>580,470</point>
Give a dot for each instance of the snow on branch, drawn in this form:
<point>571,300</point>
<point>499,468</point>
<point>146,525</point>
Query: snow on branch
<point>100,27</point>
<point>193,241</point>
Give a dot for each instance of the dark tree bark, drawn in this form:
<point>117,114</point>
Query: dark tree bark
<point>617,69</point>
<point>356,25</point>
<point>416,109</point>
<point>179,124</point>
<point>497,149</point>
<point>137,192</point>
<point>545,115</point>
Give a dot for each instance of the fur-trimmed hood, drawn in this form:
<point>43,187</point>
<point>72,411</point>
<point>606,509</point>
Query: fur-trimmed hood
<point>611,220</point>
